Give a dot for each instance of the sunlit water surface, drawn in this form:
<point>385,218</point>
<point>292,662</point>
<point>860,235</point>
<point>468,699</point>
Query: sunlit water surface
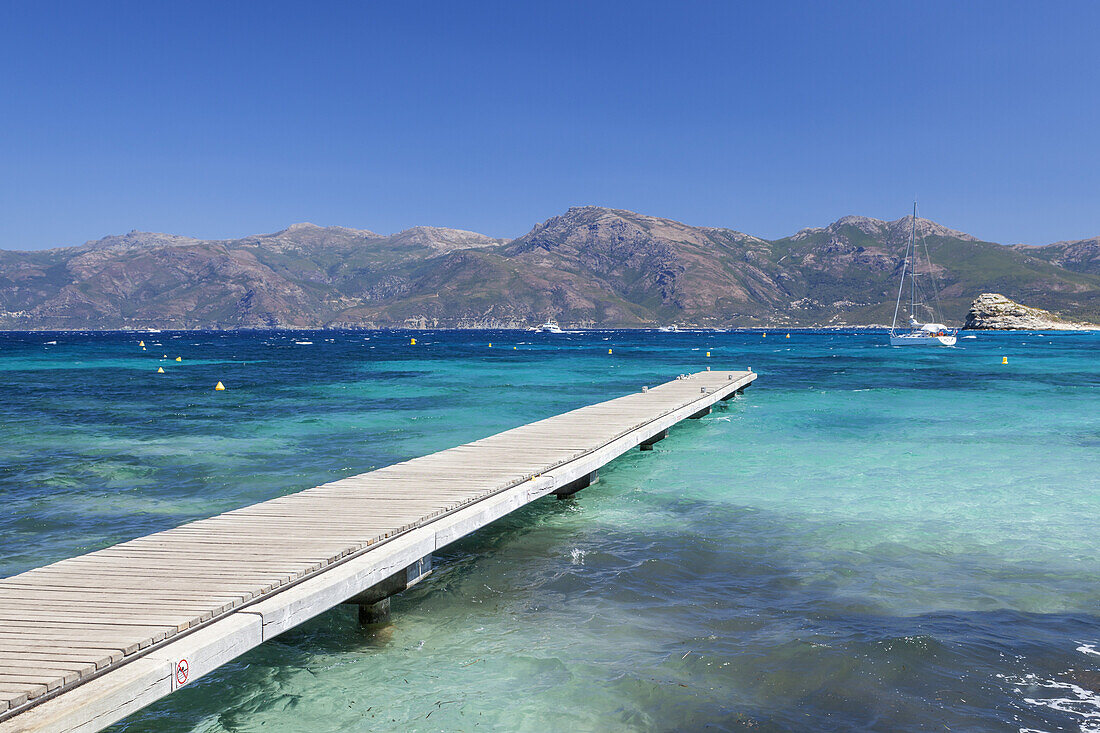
<point>870,538</point>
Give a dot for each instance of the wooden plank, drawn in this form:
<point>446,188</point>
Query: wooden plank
<point>23,651</point>
<point>49,593</point>
<point>128,639</point>
<point>50,679</point>
<point>16,695</point>
<point>153,585</point>
<point>115,607</point>
<point>16,663</point>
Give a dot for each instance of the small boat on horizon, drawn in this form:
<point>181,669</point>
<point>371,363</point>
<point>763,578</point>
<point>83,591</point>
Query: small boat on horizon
<point>931,333</point>
<point>550,326</point>
<point>669,329</point>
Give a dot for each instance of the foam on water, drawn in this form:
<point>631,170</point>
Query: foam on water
<point>1069,699</point>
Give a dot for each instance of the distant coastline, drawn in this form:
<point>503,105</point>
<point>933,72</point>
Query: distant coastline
<point>873,328</point>
<point>590,267</point>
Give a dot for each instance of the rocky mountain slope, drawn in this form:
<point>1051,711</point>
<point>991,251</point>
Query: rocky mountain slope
<point>1080,256</point>
<point>589,266</point>
<point>993,311</point>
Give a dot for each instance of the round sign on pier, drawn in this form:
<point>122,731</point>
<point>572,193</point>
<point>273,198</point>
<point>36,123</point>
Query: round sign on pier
<point>182,670</point>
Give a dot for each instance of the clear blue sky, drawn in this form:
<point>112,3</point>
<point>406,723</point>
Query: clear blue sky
<point>224,119</point>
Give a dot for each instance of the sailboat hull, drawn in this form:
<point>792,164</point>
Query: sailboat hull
<point>921,340</point>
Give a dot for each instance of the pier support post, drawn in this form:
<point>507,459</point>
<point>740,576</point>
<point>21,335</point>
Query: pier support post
<point>739,390</point>
<point>374,613</point>
<point>702,413</point>
<point>647,444</point>
<point>374,602</point>
<point>574,486</point>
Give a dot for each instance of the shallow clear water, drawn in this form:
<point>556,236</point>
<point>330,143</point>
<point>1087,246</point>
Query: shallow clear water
<point>870,538</point>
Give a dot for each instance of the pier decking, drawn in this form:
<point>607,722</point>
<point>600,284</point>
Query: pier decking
<point>91,639</point>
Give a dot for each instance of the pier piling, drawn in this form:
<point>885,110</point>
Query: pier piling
<point>647,444</point>
<point>574,486</point>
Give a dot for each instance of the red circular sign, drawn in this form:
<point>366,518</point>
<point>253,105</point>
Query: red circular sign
<point>182,669</point>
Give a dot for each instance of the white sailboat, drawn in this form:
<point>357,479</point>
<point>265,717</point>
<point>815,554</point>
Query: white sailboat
<point>919,334</point>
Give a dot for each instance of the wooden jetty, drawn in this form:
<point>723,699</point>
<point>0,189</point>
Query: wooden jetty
<point>88,640</point>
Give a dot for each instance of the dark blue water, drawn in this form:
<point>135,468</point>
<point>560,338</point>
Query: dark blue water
<point>870,539</point>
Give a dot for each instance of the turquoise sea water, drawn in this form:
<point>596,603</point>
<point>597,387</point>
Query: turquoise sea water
<point>871,538</point>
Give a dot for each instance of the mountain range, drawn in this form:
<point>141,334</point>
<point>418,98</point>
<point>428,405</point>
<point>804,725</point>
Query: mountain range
<point>591,266</point>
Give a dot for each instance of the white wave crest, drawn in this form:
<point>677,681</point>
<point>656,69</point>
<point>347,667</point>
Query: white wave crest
<point>1080,703</point>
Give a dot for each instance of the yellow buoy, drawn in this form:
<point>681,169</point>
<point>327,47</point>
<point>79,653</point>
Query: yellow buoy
<point>708,354</point>
<point>179,358</point>
<point>490,345</point>
<point>141,344</point>
<point>788,335</point>
<point>1004,359</point>
<point>764,335</point>
<point>514,348</point>
<point>164,356</point>
<point>143,348</point>
<point>219,387</point>
<point>412,342</point>
<point>609,351</point>
<point>160,370</point>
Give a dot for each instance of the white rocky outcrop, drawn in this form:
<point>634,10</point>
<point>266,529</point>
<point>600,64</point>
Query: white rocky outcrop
<point>995,312</point>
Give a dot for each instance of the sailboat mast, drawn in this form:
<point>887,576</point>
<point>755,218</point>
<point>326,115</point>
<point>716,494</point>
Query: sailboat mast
<point>904,266</point>
<point>913,269</point>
